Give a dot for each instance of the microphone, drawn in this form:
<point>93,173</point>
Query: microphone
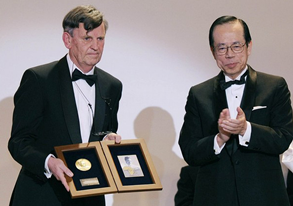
<point>108,102</point>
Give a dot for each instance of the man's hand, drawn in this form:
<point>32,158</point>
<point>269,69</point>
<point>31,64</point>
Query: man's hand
<point>223,135</point>
<point>59,170</point>
<point>235,126</point>
<point>113,136</point>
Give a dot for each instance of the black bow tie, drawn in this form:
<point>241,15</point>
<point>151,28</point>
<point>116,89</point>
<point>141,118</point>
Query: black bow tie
<point>224,85</point>
<point>90,79</point>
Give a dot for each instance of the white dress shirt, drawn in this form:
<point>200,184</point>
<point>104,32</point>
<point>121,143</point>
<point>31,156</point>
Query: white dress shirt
<point>85,101</point>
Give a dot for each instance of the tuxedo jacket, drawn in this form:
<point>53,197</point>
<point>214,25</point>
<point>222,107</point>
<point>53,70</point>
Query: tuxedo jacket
<point>245,176</point>
<point>45,116</point>
<point>290,186</point>
<point>186,184</point>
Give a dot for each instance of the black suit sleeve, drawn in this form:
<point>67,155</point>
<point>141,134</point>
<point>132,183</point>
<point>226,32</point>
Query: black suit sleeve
<point>196,144</point>
<point>272,130</point>
<point>114,106</point>
<point>26,119</point>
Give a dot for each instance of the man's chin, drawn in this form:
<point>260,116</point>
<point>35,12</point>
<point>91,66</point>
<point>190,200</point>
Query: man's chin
<point>93,62</point>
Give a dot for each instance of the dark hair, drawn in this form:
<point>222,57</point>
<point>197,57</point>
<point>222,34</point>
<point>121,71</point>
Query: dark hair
<point>88,15</point>
<point>225,19</point>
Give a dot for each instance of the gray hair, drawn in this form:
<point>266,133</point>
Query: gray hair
<point>88,15</point>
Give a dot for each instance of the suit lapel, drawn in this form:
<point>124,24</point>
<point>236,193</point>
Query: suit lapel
<point>249,94</point>
<point>68,102</point>
<point>220,100</point>
<point>100,103</point>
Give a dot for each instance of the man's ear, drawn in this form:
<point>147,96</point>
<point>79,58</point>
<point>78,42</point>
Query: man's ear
<point>213,52</point>
<point>249,47</point>
<point>67,38</point>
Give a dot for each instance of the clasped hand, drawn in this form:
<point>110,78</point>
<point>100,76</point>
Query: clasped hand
<point>228,126</point>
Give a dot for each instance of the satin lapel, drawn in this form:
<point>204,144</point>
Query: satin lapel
<point>68,102</point>
<point>249,94</point>
<point>220,101</point>
<point>100,103</point>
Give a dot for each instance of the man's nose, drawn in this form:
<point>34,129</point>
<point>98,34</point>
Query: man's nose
<point>95,44</point>
<point>229,52</point>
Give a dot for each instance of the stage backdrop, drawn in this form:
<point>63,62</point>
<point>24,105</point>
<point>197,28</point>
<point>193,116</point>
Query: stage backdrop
<point>158,49</point>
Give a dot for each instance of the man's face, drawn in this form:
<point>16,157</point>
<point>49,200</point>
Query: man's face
<point>128,161</point>
<point>225,35</point>
<point>85,48</point>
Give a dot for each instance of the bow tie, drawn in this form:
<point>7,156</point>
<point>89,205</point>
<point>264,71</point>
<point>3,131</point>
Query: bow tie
<point>90,79</point>
<point>224,85</point>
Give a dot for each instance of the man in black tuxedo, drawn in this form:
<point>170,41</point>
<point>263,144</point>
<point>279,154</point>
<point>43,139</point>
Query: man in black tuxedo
<point>56,104</point>
<point>236,131</point>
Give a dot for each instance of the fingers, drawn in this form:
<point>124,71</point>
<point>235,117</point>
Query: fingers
<point>235,126</point>
<point>225,114</point>
<point>232,126</point>
<point>223,136</point>
<point>65,184</point>
<point>59,170</point>
<point>62,177</point>
<point>113,136</point>
<point>240,113</point>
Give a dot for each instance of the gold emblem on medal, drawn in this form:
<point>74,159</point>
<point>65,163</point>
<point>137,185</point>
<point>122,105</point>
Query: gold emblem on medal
<point>83,164</point>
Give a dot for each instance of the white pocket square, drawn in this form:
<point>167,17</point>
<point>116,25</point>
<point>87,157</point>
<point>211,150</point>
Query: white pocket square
<point>258,107</point>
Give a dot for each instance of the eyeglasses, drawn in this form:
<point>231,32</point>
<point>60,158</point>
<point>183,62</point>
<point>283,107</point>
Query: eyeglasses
<point>236,47</point>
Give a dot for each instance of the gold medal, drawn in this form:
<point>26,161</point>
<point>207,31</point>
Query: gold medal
<point>83,164</point>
